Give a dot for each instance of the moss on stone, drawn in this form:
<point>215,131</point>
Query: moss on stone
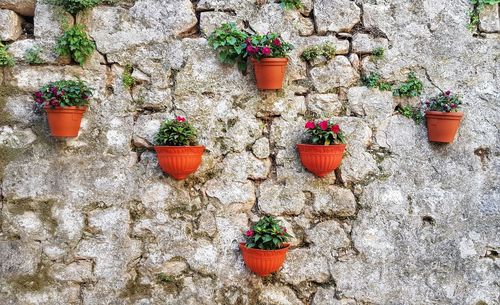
<point>134,290</point>
<point>34,282</point>
<point>42,209</point>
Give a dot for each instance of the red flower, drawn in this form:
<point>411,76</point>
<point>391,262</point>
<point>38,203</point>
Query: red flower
<point>38,94</point>
<point>180,119</point>
<point>251,49</point>
<point>453,106</point>
<point>310,125</point>
<point>447,93</point>
<point>277,42</point>
<point>266,51</point>
<point>336,128</point>
<point>249,233</point>
<point>323,125</point>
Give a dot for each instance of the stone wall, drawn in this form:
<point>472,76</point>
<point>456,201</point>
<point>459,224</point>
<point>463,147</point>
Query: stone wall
<point>93,220</point>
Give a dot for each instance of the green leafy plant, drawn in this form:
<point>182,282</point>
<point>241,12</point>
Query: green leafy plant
<point>267,234</point>
<point>164,278</point>
<point>75,42</point>
<point>127,79</point>
<point>411,113</point>
<point>291,4</point>
<point>63,93</point>
<point>270,45</point>
<point>443,102</point>
<point>229,41</point>
<point>176,132</point>
<point>32,56</point>
<point>74,6</point>
<point>378,53</point>
<point>324,133</point>
<point>326,49</point>
<point>373,81</point>
<point>477,8</point>
<point>6,59</point>
<point>412,87</point>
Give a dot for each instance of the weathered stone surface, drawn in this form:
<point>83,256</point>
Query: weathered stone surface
<point>16,137</point>
<point>261,148</point>
<point>18,258</point>
<point>326,296</point>
<point>363,43</point>
<point>334,201</point>
<point>305,265</point>
<point>324,105</point>
<point>338,73</point>
<point>336,15</point>
<point>22,7</point>
<point>47,22</point>
<point>10,25</point>
<point>235,196</point>
<point>280,199</point>
<point>211,20</point>
<point>373,104</point>
<point>277,295</point>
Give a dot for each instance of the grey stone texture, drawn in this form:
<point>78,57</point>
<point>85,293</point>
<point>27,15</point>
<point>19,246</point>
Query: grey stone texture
<point>94,221</point>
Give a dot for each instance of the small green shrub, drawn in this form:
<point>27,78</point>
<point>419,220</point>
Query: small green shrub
<point>63,93</point>
<point>373,81</point>
<point>6,59</point>
<point>411,113</point>
<point>74,6</point>
<point>412,87</point>
<point>378,53</point>
<point>291,4</point>
<point>177,132</point>
<point>326,49</point>
<point>229,41</point>
<point>75,43</point>
<point>127,79</point>
<point>267,234</point>
<point>477,8</point>
<point>32,56</point>
<point>164,278</point>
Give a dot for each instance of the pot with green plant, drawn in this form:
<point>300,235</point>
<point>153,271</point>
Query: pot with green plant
<point>65,102</point>
<point>268,53</point>
<point>325,148</point>
<point>442,116</point>
<point>177,149</point>
<point>266,246</point>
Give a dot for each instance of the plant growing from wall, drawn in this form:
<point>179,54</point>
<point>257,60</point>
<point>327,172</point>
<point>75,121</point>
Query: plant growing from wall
<point>32,56</point>
<point>74,6</point>
<point>326,50</point>
<point>373,81</point>
<point>378,53</point>
<point>75,42</point>
<point>477,8</point>
<point>412,87</point>
<point>291,4</point>
<point>6,59</point>
<point>229,41</point>
<point>127,79</point>
<point>411,113</point>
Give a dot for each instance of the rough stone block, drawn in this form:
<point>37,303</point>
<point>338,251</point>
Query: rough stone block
<point>10,25</point>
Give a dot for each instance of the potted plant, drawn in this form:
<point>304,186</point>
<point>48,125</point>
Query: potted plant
<point>266,246</point>
<point>267,52</point>
<point>177,149</point>
<point>443,117</point>
<point>65,101</point>
<point>326,149</point>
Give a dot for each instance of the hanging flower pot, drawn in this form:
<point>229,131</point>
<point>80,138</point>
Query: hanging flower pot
<point>270,72</point>
<point>177,153</point>
<point>325,153</point>
<point>265,249</point>
<point>442,116</point>
<point>65,102</point>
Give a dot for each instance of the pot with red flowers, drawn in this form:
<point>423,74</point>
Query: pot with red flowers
<point>268,53</point>
<point>265,249</point>
<point>65,102</point>
<point>177,149</point>
<point>443,116</point>
<point>324,149</point>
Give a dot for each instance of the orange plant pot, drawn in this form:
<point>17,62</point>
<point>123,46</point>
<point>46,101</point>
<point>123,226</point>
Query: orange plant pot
<point>443,126</point>
<point>64,122</point>
<point>270,72</point>
<point>179,161</point>
<point>321,159</point>
<point>263,262</point>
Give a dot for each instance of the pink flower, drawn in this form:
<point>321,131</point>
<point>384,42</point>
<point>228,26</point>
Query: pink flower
<point>266,51</point>
<point>38,94</point>
<point>323,125</point>
<point>453,106</point>
<point>251,49</point>
<point>180,119</point>
<point>85,97</point>
<point>447,93</point>
<point>277,42</point>
<point>248,40</point>
<point>310,125</point>
<point>249,233</point>
<point>336,128</point>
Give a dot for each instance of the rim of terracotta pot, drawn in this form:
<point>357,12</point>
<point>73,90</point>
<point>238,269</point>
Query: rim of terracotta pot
<point>287,246</point>
<point>322,146</point>
<point>270,60</point>
<point>65,108</point>
<point>170,147</point>
<point>447,114</point>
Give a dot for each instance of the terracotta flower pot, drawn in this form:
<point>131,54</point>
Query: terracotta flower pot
<point>321,159</point>
<point>263,262</point>
<point>442,126</point>
<point>270,72</point>
<point>64,122</point>
<point>179,161</point>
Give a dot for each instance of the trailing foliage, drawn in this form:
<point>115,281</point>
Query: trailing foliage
<point>127,79</point>
<point>378,53</point>
<point>75,43</point>
<point>444,102</point>
<point>176,132</point>
<point>373,81</point>
<point>477,8</point>
<point>324,133</point>
<point>411,113</point>
<point>267,234</point>
<point>326,49</point>
<point>6,59</point>
<point>412,87</point>
<point>291,4</point>
<point>74,6</point>
<point>32,56</point>
<point>63,93</point>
